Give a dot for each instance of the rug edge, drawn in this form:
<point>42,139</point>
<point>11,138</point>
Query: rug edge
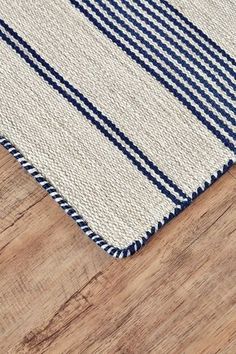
<point>113,251</point>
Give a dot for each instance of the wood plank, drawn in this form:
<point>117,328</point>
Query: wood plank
<point>59,293</point>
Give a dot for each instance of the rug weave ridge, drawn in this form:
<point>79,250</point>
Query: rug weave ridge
<point>123,111</point>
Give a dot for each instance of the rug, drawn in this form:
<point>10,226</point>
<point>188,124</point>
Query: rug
<point>123,111</point>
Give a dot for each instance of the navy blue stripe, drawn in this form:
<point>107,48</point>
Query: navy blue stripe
<point>90,118</point>
<point>198,31</point>
<point>195,38</point>
<point>199,53</point>
<point>187,55</point>
<point>168,62</point>
<point>189,34</point>
<point>106,120</point>
<point>89,15</point>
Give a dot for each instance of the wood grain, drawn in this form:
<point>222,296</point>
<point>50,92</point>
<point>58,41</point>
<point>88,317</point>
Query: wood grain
<point>59,293</point>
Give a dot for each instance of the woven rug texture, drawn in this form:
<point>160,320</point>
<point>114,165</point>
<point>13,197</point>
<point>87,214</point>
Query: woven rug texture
<point>123,111</point>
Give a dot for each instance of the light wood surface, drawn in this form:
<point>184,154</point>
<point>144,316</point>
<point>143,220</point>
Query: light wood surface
<point>59,293</point>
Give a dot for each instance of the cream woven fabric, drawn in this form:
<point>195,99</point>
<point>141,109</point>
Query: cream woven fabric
<point>124,111</point>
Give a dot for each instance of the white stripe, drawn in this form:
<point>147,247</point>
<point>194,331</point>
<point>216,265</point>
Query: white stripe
<point>184,70</point>
<point>174,37</point>
<point>169,34</point>
<point>156,69</point>
<point>194,43</point>
<point>197,36</point>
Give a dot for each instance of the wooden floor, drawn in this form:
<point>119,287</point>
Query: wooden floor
<point>59,293</point>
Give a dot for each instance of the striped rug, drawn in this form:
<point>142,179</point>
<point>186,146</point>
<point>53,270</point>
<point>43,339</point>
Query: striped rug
<point>123,111</point>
